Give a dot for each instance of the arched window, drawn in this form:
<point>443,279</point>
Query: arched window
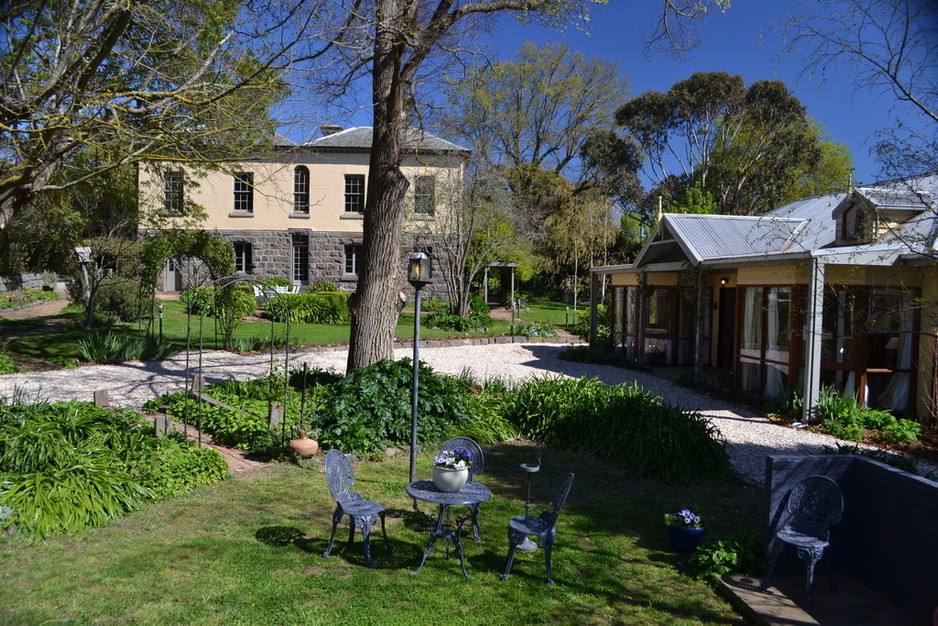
<point>301,190</point>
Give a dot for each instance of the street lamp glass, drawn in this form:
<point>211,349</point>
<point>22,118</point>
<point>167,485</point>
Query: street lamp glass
<point>419,269</point>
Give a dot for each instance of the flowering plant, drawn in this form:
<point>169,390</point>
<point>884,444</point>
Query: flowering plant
<point>684,518</point>
<point>454,459</point>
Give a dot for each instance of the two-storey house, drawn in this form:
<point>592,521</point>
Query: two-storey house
<point>297,211</point>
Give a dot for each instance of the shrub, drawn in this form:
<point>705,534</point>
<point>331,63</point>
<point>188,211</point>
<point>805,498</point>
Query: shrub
<point>533,329</point>
<point>7,366</point>
<point>258,343</point>
<point>119,297</point>
<point>177,468</point>
<point>243,425</point>
<point>70,465</point>
<point>621,423</point>
<point>113,348</point>
<point>581,326</point>
<point>901,431</point>
<point>686,379</point>
<point>323,285</point>
<point>277,281</point>
<point>438,304</point>
<point>841,416</point>
<point>20,298</point>
<point>240,300</point>
<point>905,463</point>
<point>740,554</point>
<point>370,408</point>
<point>455,323</point>
<point>328,307</point>
<point>477,304</point>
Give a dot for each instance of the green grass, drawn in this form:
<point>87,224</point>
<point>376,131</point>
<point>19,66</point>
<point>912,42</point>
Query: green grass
<point>557,313</point>
<point>248,551</point>
<point>175,323</point>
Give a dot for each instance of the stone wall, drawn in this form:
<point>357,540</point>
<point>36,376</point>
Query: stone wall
<point>20,281</point>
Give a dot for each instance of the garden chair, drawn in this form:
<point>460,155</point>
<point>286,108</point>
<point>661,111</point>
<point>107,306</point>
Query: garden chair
<point>362,513</point>
<point>543,526</point>
<point>478,466</point>
<point>814,504</point>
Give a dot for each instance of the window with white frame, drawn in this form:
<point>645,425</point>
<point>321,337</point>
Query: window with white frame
<point>173,193</point>
<point>244,257</point>
<point>354,193</point>
<point>353,255</point>
<point>244,192</point>
<point>425,195</point>
<point>301,190</point>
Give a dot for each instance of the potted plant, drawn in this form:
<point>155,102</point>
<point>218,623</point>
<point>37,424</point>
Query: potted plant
<point>451,470</point>
<point>685,530</point>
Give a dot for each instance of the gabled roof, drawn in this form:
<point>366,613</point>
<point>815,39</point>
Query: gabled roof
<point>358,139</point>
<point>803,228</point>
<point>913,195</point>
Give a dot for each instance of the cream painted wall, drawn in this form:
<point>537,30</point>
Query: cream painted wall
<point>624,279</point>
<point>774,275</point>
<point>273,190</point>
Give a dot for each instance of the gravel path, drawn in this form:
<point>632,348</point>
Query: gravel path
<point>751,436</point>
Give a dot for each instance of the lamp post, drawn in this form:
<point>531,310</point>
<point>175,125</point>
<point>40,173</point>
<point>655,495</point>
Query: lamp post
<point>419,268</point>
<point>159,307</point>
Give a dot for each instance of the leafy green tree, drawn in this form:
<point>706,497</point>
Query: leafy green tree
<point>748,147</point>
<point>134,80</point>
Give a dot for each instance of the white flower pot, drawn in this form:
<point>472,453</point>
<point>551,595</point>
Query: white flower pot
<point>449,480</point>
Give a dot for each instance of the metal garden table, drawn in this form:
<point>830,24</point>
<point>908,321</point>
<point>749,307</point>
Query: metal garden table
<point>472,493</point>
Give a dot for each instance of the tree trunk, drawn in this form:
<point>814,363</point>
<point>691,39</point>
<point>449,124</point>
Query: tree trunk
<point>374,313</point>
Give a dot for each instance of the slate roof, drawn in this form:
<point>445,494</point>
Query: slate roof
<point>358,139</point>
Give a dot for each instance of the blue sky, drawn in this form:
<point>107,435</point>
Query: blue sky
<point>743,41</point>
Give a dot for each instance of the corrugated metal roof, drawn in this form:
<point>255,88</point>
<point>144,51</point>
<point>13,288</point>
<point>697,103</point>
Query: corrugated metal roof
<point>714,236</point>
<point>801,227</point>
<point>358,139</point>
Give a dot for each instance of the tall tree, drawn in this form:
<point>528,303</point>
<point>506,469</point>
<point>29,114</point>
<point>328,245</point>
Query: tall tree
<point>165,78</point>
<point>473,228</point>
<point>746,146</point>
<point>405,34</point>
<point>531,117</point>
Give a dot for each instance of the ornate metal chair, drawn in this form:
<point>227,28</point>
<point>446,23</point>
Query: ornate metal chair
<point>362,513</point>
<point>478,466</point>
<point>814,504</point>
<point>543,526</point>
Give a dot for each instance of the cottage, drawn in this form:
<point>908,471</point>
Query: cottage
<point>835,290</point>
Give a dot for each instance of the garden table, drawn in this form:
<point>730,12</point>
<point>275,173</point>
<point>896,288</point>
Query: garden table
<point>472,493</point>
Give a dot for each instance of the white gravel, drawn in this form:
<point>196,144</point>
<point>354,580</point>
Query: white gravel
<point>751,436</point>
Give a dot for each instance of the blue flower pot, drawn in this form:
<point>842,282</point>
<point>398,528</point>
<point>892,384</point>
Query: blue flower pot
<point>683,539</point>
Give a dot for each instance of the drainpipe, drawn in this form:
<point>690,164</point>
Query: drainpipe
<point>813,333</point>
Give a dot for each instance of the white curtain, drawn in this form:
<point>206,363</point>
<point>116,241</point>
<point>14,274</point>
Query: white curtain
<point>751,339</point>
<point>774,374</point>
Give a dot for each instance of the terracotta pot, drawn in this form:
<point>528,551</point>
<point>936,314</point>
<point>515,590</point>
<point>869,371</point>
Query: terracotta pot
<point>303,446</point>
<point>450,480</point>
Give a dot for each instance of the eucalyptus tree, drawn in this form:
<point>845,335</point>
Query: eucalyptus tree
<point>747,146</point>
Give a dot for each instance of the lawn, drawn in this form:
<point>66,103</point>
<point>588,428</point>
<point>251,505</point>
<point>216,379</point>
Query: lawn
<point>176,325</point>
<point>248,551</point>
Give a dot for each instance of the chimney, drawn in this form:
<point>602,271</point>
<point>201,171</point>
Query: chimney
<point>329,129</point>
